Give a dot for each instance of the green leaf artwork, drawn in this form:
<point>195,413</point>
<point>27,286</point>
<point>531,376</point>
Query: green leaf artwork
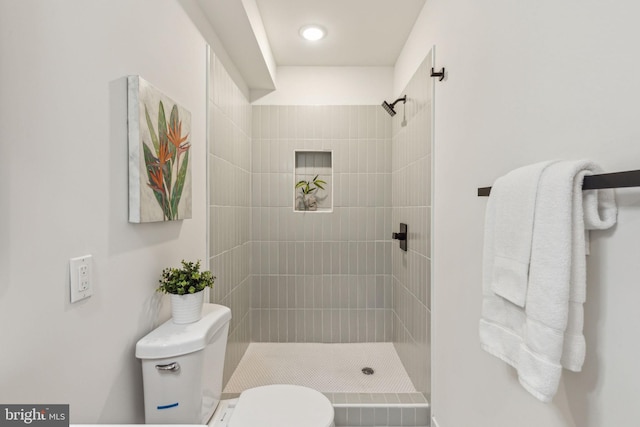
<point>159,155</point>
<point>171,158</point>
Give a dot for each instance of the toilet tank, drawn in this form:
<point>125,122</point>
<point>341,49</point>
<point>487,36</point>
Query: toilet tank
<point>182,368</point>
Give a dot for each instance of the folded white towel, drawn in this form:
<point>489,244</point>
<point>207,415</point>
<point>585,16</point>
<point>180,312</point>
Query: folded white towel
<point>514,196</point>
<point>599,213</point>
<point>546,335</point>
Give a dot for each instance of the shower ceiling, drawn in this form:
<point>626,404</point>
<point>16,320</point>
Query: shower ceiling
<point>360,33</point>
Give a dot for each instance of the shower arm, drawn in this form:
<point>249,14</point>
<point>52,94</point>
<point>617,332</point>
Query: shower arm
<point>403,99</point>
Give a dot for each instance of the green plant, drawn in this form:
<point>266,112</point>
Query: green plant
<point>186,280</point>
<point>309,187</point>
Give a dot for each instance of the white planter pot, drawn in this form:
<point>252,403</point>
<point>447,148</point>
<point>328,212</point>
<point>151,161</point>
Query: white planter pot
<point>186,308</point>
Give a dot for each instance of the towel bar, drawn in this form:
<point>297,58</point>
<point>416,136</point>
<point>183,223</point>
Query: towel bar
<point>596,182</point>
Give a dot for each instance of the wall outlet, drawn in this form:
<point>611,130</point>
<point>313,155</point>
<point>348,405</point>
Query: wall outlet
<point>80,277</point>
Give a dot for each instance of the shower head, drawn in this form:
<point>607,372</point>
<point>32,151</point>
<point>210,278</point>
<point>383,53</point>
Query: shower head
<point>389,107</point>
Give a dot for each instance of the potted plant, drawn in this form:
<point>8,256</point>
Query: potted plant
<point>308,188</point>
<point>186,287</point>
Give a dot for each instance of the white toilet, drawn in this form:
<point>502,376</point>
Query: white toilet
<point>182,374</point>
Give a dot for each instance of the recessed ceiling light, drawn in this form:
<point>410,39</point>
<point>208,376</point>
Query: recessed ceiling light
<point>312,32</point>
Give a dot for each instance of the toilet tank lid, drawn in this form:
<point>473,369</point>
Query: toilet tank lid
<point>171,339</point>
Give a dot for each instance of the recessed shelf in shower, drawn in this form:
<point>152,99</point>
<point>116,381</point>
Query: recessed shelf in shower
<point>313,181</point>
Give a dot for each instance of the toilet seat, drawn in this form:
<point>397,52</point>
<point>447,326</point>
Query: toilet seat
<point>282,405</point>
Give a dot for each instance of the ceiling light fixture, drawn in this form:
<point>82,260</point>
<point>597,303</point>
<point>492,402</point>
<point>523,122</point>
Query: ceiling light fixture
<point>313,32</point>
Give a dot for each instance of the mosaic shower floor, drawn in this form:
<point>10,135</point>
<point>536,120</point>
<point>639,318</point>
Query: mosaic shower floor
<point>329,368</point>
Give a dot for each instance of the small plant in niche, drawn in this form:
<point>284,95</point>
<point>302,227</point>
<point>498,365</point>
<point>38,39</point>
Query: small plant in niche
<point>308,189</point>
<point>186,280</point>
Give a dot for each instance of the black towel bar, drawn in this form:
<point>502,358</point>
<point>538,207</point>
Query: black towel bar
<point>596,182</point>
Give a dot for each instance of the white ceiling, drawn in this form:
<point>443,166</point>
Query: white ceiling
<point>359,32</point>
<point>259,35</point>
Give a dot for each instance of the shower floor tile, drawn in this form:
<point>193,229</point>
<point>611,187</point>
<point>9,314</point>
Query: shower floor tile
<point>329,368</point>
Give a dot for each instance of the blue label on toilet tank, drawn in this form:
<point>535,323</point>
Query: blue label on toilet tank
<point>172,405</point>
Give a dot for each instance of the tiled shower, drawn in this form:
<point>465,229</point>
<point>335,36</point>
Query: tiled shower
<point>333,275</point>
<point>229,186</point>
<point>322,276</point>
<point>411,200</point>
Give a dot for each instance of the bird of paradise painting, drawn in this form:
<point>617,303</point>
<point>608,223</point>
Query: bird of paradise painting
<point>159,149</point>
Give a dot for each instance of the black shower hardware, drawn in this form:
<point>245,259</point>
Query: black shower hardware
<point>389,107</point>
<point>403,123</point>
<point>401,236</point>
<point>597,182</point>
<point>438,74</point>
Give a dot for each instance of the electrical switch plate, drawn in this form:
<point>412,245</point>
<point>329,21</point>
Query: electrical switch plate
<point>80,277</point>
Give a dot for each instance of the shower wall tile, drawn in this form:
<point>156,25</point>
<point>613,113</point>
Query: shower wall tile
<point>321,292</point>
<point>411,204</point>
<point>230,207</point>
<point>322,276</point>
<point>321,257</point>
<point>321,325</point>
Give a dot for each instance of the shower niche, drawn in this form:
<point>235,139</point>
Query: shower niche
<point>313,181</point>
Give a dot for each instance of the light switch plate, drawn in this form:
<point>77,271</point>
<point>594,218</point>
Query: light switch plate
<point>80,277</point>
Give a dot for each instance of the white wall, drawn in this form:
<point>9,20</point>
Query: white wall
<point>330,86</point>
<point>63,187</point>
<point>527,82</point>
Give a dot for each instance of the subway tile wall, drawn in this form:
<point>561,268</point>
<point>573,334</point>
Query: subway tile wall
<point>411,201</point>
<point>321,276</point>
<point>230,206</point>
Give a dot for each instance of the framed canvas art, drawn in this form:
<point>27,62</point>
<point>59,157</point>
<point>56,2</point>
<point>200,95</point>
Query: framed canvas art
<point>159,151</point>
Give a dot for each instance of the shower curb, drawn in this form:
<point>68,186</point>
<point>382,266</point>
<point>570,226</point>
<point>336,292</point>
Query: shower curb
<point>375,409</point>
<point>380,409</point>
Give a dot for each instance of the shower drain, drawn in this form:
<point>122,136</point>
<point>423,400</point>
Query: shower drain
<point>367,371</point>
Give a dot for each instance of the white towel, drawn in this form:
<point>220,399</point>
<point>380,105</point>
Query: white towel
<point>514,196</point>
<point>599,213</point>
<point>546,335</point>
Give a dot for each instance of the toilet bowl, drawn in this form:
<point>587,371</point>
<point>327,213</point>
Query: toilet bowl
<point>280,405</point>
<point>182,369</point>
